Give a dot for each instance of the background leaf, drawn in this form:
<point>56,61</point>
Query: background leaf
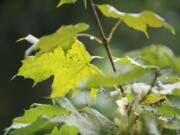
<point>169,110</point>
<point>136,21</point>
<point>41,110</point>
<point>65,130</point>
<point>38,127</point>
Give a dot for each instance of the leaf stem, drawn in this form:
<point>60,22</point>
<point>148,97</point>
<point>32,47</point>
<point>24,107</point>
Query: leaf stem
<point>104,39</point>
<point>151,87</point>
<point>91,37</point>
<point>113,30</point>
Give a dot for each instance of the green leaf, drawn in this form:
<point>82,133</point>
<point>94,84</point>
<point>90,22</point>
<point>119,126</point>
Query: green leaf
<point>66,1</point>
<point>68,70</point>
<point>93,93</point>
<point>129,61</point>
<point>114,80</point>
<point>173,79</point>
<point>88,121</point>
<point>154,99</point>
<point>40,110</point>
<point>169,110</point>
<point>40,126</point>
<point>169,123</point>
<point>174,100</point>
<point>65,130</point>
<point>136,21</point>
<point>177,64</point>
<point>157,55</point>
<point>176,92</point>
<point>64,37</point>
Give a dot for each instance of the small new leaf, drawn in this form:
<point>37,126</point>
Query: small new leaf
<point>136,21</point>
<point>66,2</point>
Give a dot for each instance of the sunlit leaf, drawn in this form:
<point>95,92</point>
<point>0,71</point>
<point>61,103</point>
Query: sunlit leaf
<point>63,37</point>
<point>68,70</point>
<point>93,93</point>
<point>136,21</point>
<point>154,99</point>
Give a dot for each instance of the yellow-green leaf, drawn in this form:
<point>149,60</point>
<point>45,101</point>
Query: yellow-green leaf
<point>154,99</point>
<point>64,37</point>
<point>68,70</point>
<point>136,21</point>
<point>41,110</point>
<point>65,130</point>
<point>66,2</point>
<point>93,93</point>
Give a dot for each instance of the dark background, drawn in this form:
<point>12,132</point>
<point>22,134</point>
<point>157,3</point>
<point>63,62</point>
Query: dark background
<point>40,17</point>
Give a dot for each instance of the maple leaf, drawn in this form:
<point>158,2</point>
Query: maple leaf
<point>68,69</point>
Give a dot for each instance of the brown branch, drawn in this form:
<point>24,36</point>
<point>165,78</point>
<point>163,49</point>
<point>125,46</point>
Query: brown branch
<point>104,38</point>
<point>101,30</point>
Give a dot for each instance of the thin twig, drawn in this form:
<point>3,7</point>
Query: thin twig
<point>101,30</point>
<point>91,37</point>
<point>113,30</point>
<point>130,106</point>
<point>104,38</point>
<point>151,87</point>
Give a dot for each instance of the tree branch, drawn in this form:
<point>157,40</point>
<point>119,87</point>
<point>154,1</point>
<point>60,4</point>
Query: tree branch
<point>101,30</point>
<point>104,38</point>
